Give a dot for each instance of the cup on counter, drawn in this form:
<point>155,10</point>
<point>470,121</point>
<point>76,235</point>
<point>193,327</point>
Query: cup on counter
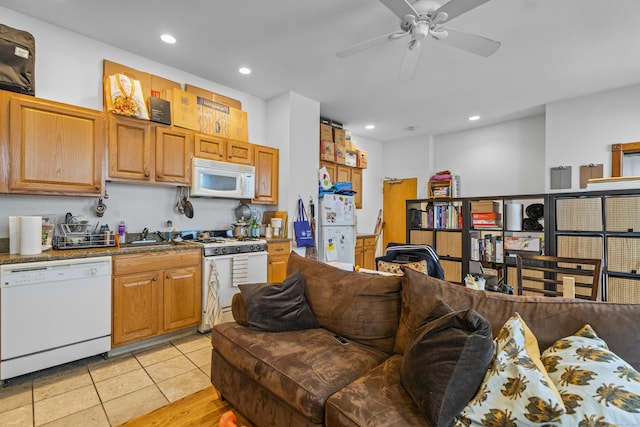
<point>276,224</point>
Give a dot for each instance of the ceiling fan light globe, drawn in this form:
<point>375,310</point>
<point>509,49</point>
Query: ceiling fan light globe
<point>420,31</point>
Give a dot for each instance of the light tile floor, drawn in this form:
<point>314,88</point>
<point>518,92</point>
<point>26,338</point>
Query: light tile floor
<point>97,392</point>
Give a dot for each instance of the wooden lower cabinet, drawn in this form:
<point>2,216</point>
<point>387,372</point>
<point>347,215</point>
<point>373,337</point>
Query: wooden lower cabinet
<point>277,260</point>
<point>149,301</point>
<point>366,252</point>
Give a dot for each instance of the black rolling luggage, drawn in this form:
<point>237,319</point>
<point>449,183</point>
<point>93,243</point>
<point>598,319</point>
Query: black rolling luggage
<point>17,60</point>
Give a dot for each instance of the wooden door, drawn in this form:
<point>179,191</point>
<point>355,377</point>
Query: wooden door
<point>395,194</point>
<point>343,174</point>
<point>173,155</point>
<point>356,182</point>
<point>210,147</point>
<point>332,170</point>
<point>266,162</point>
<point>359,252</point>
<point>136,307</point>
<point>239,152</point>
<point>182,298</point>
<point>369,253</point>
<point>129,148</point>
<point>55,148</point>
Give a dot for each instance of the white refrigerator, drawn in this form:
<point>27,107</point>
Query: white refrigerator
<point>337,230</point>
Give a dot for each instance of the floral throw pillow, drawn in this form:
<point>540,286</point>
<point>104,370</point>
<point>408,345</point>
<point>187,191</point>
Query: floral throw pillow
<point>394,267</point>
<point>516,390</point>
<point>598,387</point>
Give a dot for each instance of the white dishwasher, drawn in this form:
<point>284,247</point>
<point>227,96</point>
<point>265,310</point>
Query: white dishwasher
<point>53,312</point>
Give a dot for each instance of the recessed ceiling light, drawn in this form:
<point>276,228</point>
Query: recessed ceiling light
<point>474,118</point>
<point>244,70</point>
<point>370,127</point>
<point>168,38</point>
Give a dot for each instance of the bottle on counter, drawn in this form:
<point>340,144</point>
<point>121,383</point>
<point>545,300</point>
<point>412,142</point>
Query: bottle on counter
<point>268,232</point>
<point>255,231</point>
<point>122,231</point>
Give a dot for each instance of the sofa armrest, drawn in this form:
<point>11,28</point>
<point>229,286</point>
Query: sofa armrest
<point>239,309</point>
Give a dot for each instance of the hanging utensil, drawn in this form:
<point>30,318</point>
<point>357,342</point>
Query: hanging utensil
<point>179,206</point>
<point>188,207</point>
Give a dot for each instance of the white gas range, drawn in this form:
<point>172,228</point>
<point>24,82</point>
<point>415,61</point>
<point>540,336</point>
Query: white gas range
<point>227,263</point>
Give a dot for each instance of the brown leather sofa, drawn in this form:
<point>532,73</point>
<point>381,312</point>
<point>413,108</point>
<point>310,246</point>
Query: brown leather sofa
<point>308,378</point>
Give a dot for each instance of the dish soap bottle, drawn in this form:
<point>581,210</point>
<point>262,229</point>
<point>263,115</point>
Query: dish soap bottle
<point>122,231</point>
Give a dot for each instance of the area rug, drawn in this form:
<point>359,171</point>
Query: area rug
<point>203,408</point>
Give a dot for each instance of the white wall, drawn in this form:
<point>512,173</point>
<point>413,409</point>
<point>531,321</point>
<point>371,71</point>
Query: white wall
<point>409,158</point>
<point>581,130</point>
<point>507,158</point>
<point>371,184</point>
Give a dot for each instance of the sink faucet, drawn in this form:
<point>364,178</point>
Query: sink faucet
<point>145,232</point>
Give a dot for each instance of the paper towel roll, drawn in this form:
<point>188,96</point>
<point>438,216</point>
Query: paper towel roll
<point>514,217</point>
<point>14,235</point>
<point>30,235</point>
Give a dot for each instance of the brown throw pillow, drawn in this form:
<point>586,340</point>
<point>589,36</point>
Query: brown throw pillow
<point>445,362</point>
<point>278,307</point>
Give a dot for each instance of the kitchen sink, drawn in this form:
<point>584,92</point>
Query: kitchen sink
<point>146,243</point>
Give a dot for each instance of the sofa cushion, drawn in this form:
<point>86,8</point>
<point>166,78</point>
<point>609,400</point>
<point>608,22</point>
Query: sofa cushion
<point>445,362</point>
<point>395,267</point>
<point>302,368</point>
<point>278,307</point>
<point>375,399</point>
<point>516,389</point>
<point>549,318</point>
<point>362,307</point>
<point>595,384</point>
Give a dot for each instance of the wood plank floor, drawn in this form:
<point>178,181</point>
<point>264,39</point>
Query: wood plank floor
<point>203,408</point>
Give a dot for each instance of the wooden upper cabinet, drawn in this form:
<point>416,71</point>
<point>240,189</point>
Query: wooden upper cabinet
<point>210,147</point>
<point>343,174</point>
<point>145,152</point>
<point>266,163</point>
<point>55,148</point>
<point>239,152</point>
<point>356,185</point>
<point>129,148</point>
<point>222,149</point>
<point>173,155</point>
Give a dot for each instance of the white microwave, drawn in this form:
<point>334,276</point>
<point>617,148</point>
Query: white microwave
<point>221,179</point>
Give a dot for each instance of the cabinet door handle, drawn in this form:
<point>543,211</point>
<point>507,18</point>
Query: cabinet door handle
<point>155,278</point>
<point>146,174</point>
<point>178,276</point>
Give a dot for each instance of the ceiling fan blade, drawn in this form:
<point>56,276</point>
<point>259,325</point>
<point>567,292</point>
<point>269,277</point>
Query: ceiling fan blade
<point>470,42</point>
<point>455,8</point>
<point>409,61</point>
<point>368,44</point>
<point>401,8</point>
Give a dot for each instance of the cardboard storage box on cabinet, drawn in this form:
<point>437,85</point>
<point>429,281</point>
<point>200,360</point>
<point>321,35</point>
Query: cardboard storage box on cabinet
<point>362,159</point>
<point>327,151</point>
<point>339,136</point>
<point>351,158</point>
<point>326,132</point>
<point>196,113</point>
<point>341,153</point>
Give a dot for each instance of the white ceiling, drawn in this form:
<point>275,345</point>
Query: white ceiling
<point>551,50</point>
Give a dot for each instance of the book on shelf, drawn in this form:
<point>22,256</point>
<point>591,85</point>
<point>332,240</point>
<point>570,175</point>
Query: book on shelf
<point>487,248</point>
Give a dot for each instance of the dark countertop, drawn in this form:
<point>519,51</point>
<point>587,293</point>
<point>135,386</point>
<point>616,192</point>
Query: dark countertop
<point>57,254</point>
<point>278,240</point>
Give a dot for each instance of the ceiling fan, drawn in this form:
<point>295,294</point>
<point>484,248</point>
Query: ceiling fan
<point>421,19</point>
